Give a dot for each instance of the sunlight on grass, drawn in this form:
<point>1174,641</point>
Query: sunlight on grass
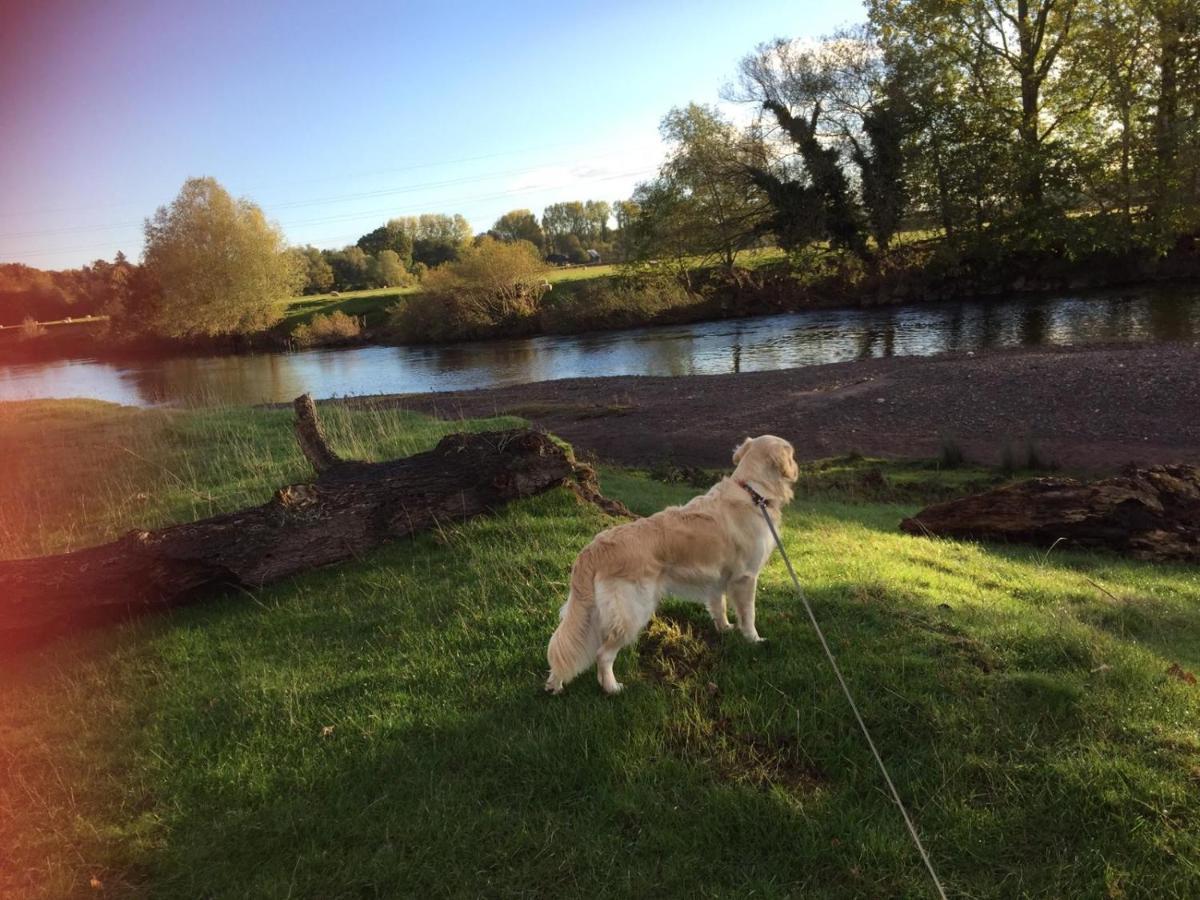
<point>378,728</point>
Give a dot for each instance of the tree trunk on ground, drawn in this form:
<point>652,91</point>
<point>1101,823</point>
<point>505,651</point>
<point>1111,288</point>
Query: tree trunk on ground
<point>351,508</point>
<point>1148,513</point>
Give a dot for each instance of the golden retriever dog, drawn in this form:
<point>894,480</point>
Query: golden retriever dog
<point>709,549</point>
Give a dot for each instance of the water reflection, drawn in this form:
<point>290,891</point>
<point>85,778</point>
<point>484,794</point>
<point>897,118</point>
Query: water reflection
<point>743,345</point>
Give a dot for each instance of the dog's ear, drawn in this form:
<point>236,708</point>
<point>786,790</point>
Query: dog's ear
<point>740,450</point>
<point>784,458</point>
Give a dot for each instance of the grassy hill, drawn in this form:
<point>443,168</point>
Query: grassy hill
<point>379,728</point>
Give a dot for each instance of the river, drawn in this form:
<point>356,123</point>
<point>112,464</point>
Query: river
<point>732,345</point>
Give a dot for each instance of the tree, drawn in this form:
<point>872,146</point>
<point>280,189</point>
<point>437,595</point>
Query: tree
<point>597,213</point>
<point>388,270</point>
<point>797,85</point>
<point>318,274</point>
<point>436,238</point>
<point>519,225</point>
<point>703,203</point>
<point>351,267</point>
<point>221,266</point>
<point>393,236</point>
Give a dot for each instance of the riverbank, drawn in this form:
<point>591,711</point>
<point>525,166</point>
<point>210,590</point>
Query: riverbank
<point>300,739</point>
<point>1089,408</point>
<point>601,299</point>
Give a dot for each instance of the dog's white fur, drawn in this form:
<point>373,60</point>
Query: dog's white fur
<point>712,547</point>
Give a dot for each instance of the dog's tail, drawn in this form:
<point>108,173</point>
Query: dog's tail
<point>574,643</point>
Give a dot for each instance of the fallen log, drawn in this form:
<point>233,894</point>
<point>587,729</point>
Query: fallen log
<point>350,508</point>
<point>1147,513</point>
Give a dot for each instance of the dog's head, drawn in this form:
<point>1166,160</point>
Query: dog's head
<point>768,461</point>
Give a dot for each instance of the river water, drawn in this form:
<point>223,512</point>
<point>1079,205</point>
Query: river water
<point>734,345</point>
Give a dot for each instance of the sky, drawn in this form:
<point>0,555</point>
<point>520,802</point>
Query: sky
<point>334,119</point>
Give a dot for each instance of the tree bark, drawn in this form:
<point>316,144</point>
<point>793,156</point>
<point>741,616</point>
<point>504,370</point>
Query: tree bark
<point>1147,513</point>
<point>349,509</point>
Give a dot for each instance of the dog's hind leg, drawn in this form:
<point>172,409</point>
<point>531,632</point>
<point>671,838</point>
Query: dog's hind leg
<point>624,611</point>
<point>742,588</point>
<point>718,611</point>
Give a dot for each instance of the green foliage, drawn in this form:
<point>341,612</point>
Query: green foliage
<point>586,222</point>
<point>351,268</point>
<point>118,288</point>
<point>221,266</point>
<point>703,206</point>
<point>492,285</point>
<point>613,302</point>
<point>318,274</point>
<point>388,270</point>
<point>394,237</point>
<point>519,225</point>
<point>326,329</point>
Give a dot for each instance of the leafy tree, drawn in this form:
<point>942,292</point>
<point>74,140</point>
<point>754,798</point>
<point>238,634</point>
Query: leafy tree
<point>703,203</point>
<point>570,246</point>
<point>598,213</point>
<point>437,238</point>
<point>393,236</point>
<point>351,268</point>
<point>388,270</point>
<point>318,274</point>
<point>586,220</point>
<point>796,84</point>
<point>221,266</point>
<point>519,225</point>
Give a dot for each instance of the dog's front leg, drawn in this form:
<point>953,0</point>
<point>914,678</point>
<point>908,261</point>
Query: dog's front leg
<point>742,589</point>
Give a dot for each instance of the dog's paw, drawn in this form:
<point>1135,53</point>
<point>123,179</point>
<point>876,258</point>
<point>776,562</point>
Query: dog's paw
<point>615,688</point>
<point>553,687</point>
<point>723,626</point>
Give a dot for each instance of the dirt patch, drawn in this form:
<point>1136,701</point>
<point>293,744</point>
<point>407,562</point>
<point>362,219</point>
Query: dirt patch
<point>676,651</point>
<point>738,756</point>
<point>1092,408</point>
<point>672,649</point>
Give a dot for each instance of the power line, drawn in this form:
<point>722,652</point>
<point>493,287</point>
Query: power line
<point>535,189</point>
<point>319,201</point>
<point>324,178</point>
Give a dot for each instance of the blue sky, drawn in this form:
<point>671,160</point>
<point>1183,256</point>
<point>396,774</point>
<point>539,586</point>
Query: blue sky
<point>335,119</point>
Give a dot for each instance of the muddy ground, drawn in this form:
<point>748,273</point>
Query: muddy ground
<point>1090,409</point>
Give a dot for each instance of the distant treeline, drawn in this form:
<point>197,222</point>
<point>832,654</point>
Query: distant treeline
<point>97,289</point>
<point>396,254</point>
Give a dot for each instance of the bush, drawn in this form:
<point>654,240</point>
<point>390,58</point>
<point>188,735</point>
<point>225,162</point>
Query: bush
<point>323,330</point>
<point>493,287</point>
<point>31,328</point>
<point>617,302</point>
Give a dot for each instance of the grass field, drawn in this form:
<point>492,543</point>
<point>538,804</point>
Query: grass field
<point>379,729</point>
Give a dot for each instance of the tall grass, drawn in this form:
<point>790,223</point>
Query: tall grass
<point>77,472</point>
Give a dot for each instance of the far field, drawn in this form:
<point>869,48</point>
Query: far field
<point>379,728</point>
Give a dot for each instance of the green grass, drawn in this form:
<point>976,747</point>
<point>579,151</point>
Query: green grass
<point>372,305</point>
<point>379,729</point>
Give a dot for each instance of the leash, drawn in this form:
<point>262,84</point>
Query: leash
<point>761,502</point>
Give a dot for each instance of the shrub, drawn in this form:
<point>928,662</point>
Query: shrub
<point>31,328</point>
<point>335,328</point>
<point>616,302</point>
<point>492,286</point>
